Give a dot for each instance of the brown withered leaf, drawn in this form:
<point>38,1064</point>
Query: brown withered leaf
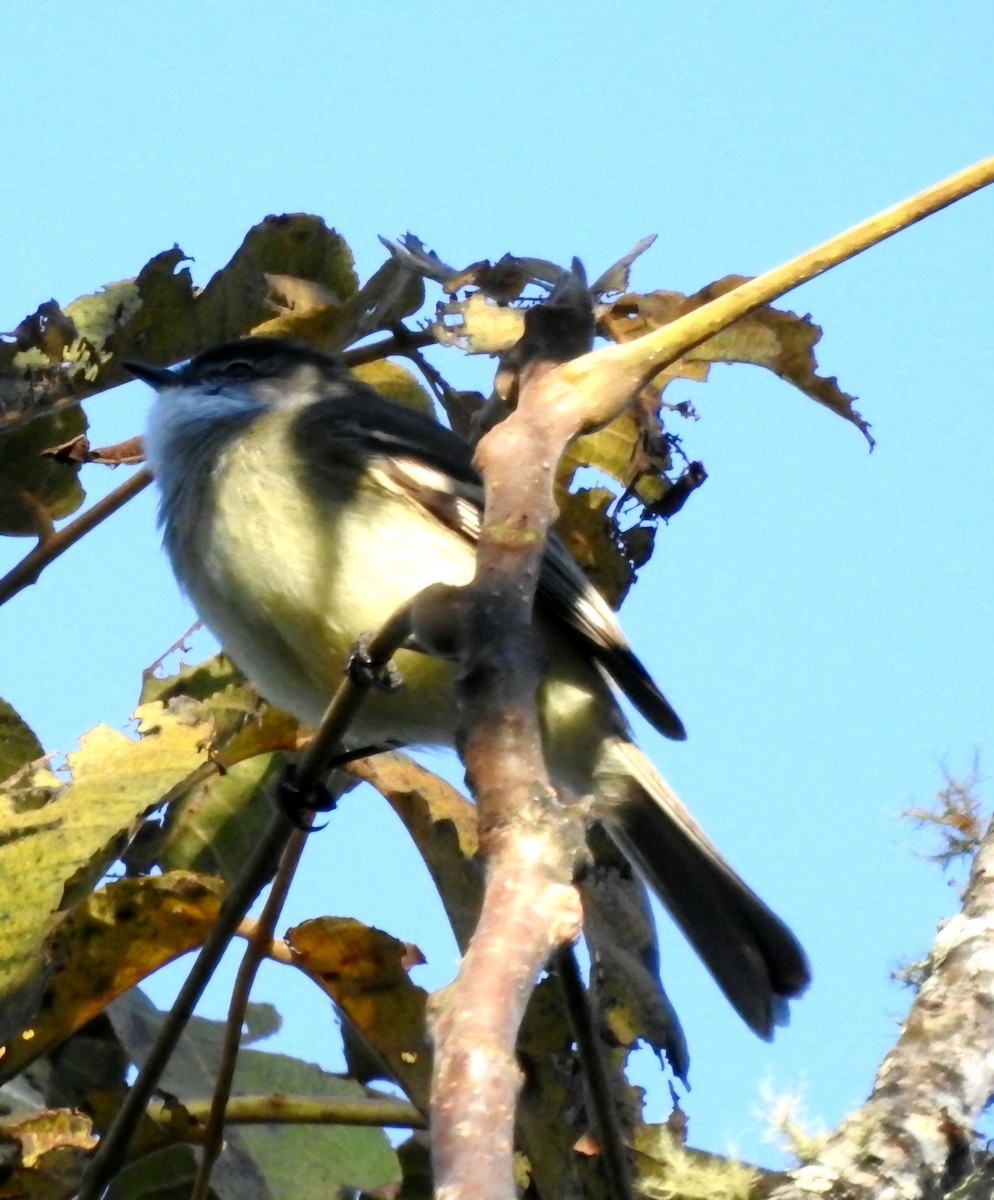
<point>310,311</point>
<point>502,281</point>
<point>78,450</point>
<point>126,453</point>
<point>412,254</point>
<point>364,971</point>
<point>303,309</point>
<point>616,277</point>
<point>53,1147</point>
<point>773,338</point>
<point>505,279</point>
<point>442,824</point>
<point>391,293</point>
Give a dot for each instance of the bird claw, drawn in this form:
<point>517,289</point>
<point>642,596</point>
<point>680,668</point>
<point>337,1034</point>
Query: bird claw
<point>365,673</point>
<point>298,805</point>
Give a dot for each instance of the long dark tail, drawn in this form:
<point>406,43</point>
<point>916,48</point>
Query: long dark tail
<point>753,956</point>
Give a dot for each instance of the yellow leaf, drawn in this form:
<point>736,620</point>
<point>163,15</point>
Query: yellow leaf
<point>781,341</point>
<point>108,943</point>
<point>397,382</point>
<point>52,855</point>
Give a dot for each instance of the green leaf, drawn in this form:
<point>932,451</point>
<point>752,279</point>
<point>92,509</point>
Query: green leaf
<point>61,357</point>
<point>167,1174</point>
<point>397,382</point>
<point>253,290</point>
<point>314,1160</point>
<point>295,1160</point>
<point>215,827</point>
<point>18,744</point>
<point>592,536</point>
<point>199,681</point>
<point>36,489</point>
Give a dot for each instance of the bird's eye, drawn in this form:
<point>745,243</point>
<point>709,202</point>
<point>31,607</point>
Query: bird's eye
<point>239,372</point>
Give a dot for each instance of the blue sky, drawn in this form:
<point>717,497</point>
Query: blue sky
<point>820,617</point>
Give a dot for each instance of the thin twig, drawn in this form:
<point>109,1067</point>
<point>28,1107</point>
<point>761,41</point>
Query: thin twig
<point>110,1153</point>
<point>280,1109</point>
<point>342,709</point>
<point>50,547</point>
<point>409,348</point>
<point>358,356</point>
<point>601,1109</point>
<point>257,949</point>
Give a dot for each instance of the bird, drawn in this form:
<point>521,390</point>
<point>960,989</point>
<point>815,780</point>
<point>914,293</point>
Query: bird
<point>300,508</point>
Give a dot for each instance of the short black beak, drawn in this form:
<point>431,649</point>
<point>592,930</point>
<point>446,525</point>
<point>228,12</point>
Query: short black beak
<point>156,377</point>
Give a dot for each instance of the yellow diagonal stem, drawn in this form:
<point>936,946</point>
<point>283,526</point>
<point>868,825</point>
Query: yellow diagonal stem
<point>602,381</point>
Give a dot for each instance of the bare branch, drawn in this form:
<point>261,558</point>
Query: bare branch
<point>914,1135</point>
<point>50,547</point>
<point>259,941</point>
<point>530,907</point>
<point>281,1109</point>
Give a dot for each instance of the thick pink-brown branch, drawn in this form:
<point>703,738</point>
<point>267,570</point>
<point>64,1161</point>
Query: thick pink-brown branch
<point>530,908</point>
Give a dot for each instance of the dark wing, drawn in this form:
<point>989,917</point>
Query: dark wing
<point>354,423</point>
<point>566,593</point>
<point>435,468</point>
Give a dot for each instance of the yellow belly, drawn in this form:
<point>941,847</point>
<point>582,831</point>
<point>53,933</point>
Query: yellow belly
<point>289,583</point>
